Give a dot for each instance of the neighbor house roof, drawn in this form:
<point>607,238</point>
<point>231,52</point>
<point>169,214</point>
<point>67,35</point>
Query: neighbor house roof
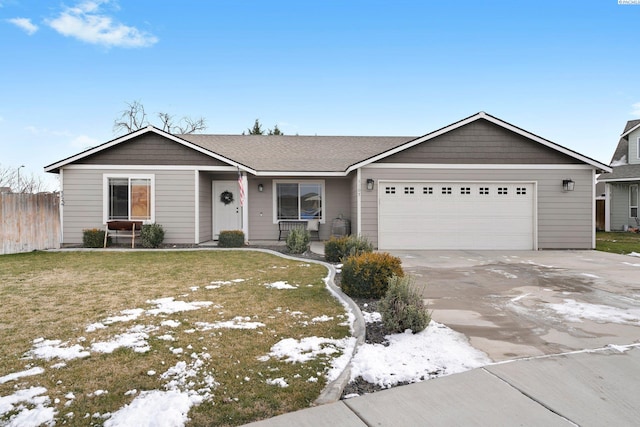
<point>294,154</point>
<point>622,170</point>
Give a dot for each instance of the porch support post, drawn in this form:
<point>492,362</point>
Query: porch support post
<point>245,207</point>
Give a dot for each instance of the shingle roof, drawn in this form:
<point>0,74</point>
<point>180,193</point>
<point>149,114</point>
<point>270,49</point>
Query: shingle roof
<point>623,171</point>
<point>296,153</point>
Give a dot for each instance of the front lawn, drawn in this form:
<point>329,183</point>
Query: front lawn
<point>618,242</point>
<point>114,338</point>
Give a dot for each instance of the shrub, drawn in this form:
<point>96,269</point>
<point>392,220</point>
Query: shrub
<point>151,235</point>
<point>94,238</point>
<point>366,275</point>
<point>403,308</point>
<point>336,249</point>
<point>231,239</point>
<point>298,241</point>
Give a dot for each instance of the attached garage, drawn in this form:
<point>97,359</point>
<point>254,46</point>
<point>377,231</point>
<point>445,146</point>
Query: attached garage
<point>457,215</point>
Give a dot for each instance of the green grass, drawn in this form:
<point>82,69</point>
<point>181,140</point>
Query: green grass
<point>56,295</point>
<point>618,242</point>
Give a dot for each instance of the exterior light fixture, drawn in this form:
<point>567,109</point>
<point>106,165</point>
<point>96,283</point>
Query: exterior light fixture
<point>369,184</point>
<point>260,188</point>
<point>568,185</point>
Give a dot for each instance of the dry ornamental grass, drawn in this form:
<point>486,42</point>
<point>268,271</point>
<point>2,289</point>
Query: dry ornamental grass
<point>98,330</point>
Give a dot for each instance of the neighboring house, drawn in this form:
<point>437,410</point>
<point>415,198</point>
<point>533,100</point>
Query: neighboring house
<point>621,185</point>
<point>479,183</point>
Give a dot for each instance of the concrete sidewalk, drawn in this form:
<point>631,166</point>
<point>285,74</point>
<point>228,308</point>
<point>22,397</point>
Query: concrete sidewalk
<point>583,388</point>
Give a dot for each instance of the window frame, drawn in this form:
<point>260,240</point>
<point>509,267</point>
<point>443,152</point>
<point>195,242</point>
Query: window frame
<point>129,177</point>
<point>632,188</point>
<point>299,182</point>
<point>638,148</point>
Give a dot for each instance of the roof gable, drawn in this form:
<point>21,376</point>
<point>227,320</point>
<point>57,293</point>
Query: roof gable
<point>484,116</point>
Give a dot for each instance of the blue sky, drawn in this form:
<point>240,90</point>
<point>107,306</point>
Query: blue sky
<point>564,70</point>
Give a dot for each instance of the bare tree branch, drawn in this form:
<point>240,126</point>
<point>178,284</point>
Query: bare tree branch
<point>21,182</point>
<point>131,119</point>
<point>134,117</point>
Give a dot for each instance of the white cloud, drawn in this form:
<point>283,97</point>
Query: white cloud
<point>86,23</point>
<point>635,109</point>
<point>25,24</point>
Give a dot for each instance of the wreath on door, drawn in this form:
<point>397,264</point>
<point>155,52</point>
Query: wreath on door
<point>226,197</point>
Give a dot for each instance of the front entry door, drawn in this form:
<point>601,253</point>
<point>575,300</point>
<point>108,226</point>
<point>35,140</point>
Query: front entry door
<point>226,215</point>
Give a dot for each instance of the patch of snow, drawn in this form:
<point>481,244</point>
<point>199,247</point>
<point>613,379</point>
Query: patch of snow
<point>323,318</point>
<point>619,162</point>
<point>38,414</point>
<point>170,323</point>
<point>135,339</point>
<point>280,285</point>
<point>574,311</point>
<point>518,298</point>
<point>631,264</point>
<point>166,337</point>
<point>503,273</point>
<point>29,372</point>
<point>126,316</point>
<point>58,365</point>
<point>170,306</point>
<point>371,317</point>
<point>280,382</point>
<point>154,408</point>
<point>593,276</point>
<point>636,254</point>
<point>436,351</point>
<point>95,326</point>
<point>237,322</point>
<point>52,349</point>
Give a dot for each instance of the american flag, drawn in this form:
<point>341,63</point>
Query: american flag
<point>241,187</point>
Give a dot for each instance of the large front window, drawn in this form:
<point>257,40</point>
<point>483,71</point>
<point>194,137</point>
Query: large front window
<point>299,200</point>
<point>129,198</point>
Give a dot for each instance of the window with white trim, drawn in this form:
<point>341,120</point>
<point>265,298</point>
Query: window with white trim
<point>633,201</point>
<point>299,200</point>
<point>129,197</point>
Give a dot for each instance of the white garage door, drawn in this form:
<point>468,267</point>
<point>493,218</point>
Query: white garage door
<point>456,215</point>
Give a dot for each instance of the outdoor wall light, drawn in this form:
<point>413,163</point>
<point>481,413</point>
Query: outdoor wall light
<point>369,184</point>
<point>260,188</point>
<point>568,184</point>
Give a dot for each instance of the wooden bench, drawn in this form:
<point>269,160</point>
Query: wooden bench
<point>123,228</point>
<point>285,226</point>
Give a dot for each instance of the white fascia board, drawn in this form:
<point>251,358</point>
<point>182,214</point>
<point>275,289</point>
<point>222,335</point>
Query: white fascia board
<point>297,174</point>
<point>630,130</point>
<point>478,166</point>
<point>494,120</point>
<point>137,133</point>
<point>620,179</point>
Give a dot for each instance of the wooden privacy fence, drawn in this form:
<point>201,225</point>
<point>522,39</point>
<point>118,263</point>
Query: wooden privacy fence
<point>29,222</point>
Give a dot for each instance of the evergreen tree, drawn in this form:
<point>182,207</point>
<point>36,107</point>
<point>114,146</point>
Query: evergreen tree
<point>257,129</point>
<point>275,131</point>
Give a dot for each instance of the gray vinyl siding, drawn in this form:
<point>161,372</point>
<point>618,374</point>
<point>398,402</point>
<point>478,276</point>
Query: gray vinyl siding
<point>564,219</point>
<point>619,203</point>
<point>354,204</point>
<point>150,149</point>
<point>174,202</point>
<point>480,142</point>
<point>261,224</point>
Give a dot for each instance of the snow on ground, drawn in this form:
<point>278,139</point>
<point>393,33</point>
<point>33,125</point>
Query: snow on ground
<point>434,352</point>
<point>29,372</point>
<point>574,311</point>
<point>371,317</point>
<point>280,285</point>
<point>35,414</point>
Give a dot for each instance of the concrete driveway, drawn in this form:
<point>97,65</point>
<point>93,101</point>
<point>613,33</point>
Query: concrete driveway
<point>524,303</point>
